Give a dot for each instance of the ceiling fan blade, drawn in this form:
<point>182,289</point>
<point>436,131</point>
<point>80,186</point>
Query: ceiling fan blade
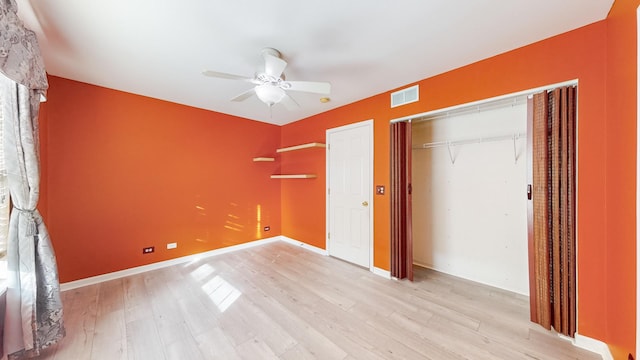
<point>289,102</point>
<point>310,86</point>
<point>245,95</point>
<point>273,65</point>
<point>221,75</point>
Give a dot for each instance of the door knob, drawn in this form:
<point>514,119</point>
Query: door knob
<point>364,203</point>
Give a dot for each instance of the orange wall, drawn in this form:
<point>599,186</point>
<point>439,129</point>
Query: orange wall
<point>125,171</point>
<point>621,177</point>
<point>579,54</point>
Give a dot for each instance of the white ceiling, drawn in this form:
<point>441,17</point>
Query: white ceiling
<point>159,48</point>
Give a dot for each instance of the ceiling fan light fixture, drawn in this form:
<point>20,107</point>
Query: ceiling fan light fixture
<point>269,94</point>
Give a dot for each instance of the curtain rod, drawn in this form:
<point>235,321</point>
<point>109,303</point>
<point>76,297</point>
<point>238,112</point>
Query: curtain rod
<point>486,101</point>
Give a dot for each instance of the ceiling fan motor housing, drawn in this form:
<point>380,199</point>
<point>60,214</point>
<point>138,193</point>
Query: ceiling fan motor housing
<point>271,51</point>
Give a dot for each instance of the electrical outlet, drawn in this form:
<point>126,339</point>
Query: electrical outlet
<point>172,245</point>
<point>148,250</point>
<point>267,228</point>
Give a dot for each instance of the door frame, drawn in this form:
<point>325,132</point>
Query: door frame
<point>368,124</point>
<point>529,92</point>
<point>638,186</point>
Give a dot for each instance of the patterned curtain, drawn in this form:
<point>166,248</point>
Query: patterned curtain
<point>552,241</point>
<point>401,238</point>
<point>33,314</point>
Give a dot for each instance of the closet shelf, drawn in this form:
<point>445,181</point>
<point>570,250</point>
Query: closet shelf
<point>293,176</point>
<point>302,146</point>
<point>449,143</point>
<point>260,159</point>
<point>430,145</point>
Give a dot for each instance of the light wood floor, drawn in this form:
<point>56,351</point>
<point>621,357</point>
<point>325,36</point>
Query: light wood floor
<point>279,301</point>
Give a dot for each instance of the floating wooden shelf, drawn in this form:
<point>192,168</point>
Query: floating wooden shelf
<point>293,176</point>
<point>292,148</point>
<point>300,147</point>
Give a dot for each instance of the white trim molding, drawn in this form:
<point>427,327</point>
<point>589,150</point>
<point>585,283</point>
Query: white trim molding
<point>163,264</point>
<point>638,187</point>
<point>195,257</point>
<point>485,101</point>
<point>593,345</point>
<point>381,272</point>
<point>303,245</point>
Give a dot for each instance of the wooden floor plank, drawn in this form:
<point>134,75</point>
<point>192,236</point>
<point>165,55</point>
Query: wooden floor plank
<point>143,340</point>
<point>80,309</point>
<point>110,339</point>
<point>214,344</point>
<point>316,344</point>
<point>255,349</point>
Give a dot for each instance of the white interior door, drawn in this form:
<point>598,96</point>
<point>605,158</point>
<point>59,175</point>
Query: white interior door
<point>349,192</point>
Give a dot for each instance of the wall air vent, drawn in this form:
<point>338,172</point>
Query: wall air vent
<point>405,96</point>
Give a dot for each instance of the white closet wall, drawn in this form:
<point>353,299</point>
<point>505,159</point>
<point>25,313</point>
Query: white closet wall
<point>470,217</point>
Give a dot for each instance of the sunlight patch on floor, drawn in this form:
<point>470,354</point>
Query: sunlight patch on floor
<point>202,272</point>
<point>221,293</point>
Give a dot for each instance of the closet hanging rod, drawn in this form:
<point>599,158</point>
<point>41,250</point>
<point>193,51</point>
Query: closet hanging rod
<point>471,141</point>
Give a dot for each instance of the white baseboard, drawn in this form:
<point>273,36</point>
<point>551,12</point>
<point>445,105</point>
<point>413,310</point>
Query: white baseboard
<point>195,257</point>
<point>315,249</point>
<point>162,264</point>
<point>380,272</point>
<point>593,345</point>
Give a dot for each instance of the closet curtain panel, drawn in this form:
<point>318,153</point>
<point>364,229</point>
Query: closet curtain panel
<point>552,248</point>
<point>401,238</point>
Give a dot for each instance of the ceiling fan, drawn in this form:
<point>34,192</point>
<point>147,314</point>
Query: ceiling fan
<point>271,87</point>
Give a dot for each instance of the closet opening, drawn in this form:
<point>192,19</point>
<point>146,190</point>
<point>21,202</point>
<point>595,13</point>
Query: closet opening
<point>463,209</point>
<point>469,206</point>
